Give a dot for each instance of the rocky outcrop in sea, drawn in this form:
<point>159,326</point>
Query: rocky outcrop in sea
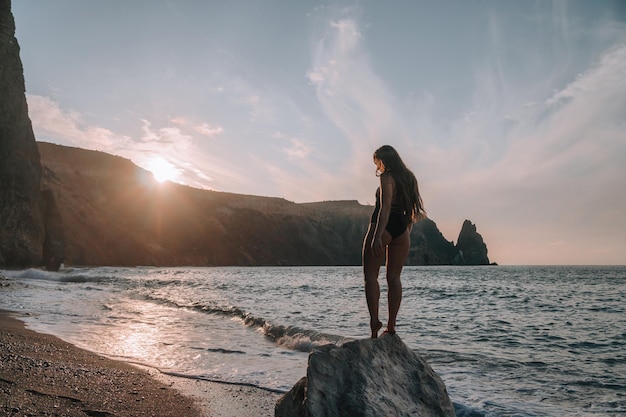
<point>471,250</point>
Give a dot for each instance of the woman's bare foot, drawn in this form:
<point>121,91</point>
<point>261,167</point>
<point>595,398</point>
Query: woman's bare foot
<point>375,328</point>
<point>388,331</point>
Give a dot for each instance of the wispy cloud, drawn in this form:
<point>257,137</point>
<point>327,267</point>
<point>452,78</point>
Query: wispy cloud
<point>51,123</point>
<point>206,129</point>
<point>199,165</point>
<point>209,130</point>
<point>297,148</point>
<point>576,132</point>
<point>560,163</point>
<point>356,101</point>
<point>171,143</point>
<point>350,93</point>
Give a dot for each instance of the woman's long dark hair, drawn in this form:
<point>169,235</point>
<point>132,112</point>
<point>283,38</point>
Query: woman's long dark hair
<point>406,183</point>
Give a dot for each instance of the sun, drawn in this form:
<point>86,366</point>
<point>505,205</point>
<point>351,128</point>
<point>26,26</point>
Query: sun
<point>162,169</point>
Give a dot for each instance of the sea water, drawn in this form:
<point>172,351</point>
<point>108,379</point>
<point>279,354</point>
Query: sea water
<point>507,341</point>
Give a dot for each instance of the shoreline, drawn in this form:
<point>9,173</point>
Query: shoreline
<point>40,373</point>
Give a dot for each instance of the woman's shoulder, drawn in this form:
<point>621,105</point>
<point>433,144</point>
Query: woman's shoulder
<point>387,179</point>
<point>387,176</point>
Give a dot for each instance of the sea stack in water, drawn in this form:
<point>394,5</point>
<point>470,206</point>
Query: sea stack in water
<point>368,377</point>
<point>470,246</point>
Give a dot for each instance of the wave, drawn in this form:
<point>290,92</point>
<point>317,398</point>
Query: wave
<point>303,340</point>
<point>290,337</point>
<point>70,275</point>
<point>461,410</point>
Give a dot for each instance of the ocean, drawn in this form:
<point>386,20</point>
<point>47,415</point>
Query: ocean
<point>506,340</point>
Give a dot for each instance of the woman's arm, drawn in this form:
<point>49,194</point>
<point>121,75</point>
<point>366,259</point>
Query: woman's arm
<point>386,195</point>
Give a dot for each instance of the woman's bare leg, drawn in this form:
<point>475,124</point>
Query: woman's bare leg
<point>397,252</point>
<point>371,268</point>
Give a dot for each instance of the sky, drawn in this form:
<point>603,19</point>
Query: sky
<point>511,114</point>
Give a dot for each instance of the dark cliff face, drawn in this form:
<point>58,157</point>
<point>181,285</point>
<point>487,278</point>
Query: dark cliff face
<point>21,203</point>
<point>471,250</point>
<point>114,213</point>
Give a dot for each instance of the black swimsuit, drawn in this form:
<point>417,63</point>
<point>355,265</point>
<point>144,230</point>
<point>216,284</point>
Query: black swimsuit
<point>397,224</point>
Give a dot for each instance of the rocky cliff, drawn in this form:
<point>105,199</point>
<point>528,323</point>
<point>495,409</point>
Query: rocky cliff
<point>114,213</point>
<point>21,203</point>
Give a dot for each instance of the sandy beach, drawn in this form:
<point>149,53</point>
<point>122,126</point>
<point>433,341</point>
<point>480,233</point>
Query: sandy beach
<point>43,375</point>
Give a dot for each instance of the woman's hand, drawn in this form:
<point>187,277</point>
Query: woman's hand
<point>377,246</point>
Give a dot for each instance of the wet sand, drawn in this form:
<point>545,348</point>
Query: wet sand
<point>45,376</point>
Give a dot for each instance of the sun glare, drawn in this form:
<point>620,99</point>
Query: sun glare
<point>162,170</point>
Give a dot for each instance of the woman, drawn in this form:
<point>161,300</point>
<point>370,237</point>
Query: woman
<point>398,206</point>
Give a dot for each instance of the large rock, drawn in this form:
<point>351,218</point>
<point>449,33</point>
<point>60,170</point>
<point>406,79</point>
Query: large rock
<point>21,203</point>
<point>470,246</point>
<point>368,377</point>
